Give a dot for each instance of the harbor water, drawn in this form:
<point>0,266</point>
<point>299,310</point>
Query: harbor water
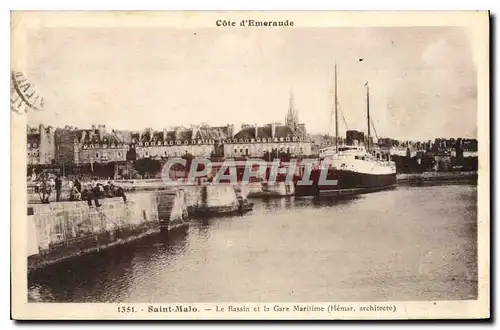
<point>410,243</point>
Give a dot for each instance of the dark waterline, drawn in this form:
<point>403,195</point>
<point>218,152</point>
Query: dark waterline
<point>411,243</point>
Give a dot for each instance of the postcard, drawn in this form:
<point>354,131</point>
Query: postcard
<point>277,165</point>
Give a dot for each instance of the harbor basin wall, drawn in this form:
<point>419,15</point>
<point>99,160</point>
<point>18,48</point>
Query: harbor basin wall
<point>58,231</point>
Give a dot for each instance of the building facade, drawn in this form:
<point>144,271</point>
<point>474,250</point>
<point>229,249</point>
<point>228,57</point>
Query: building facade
<point>41,145</point>
<point>97,145</point>
<point>197,141</point>
<point>81,146</point>
<point>256,141</point>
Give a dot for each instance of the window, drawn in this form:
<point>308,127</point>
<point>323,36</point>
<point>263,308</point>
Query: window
<point>96,155</point>
<point>241,150</point>
<point>147,153</point>
<point>119,154</point>
<point>246,151</point>
<point>235,150</point>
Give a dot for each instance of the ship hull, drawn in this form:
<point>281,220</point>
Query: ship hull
<point>346,182</point>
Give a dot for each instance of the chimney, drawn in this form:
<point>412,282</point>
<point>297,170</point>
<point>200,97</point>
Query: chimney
<point>230,131</point>
<point>273,130</point>
<point>177,133</point>
<point>194,129</point>
<point>165,134</point>
<point>101,130</point>
<point>256,131</point>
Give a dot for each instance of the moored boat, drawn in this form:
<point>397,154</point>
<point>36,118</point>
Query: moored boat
<point>349,169</point>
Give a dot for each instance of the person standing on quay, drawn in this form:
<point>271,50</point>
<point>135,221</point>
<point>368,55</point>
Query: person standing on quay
<point>58,185</point>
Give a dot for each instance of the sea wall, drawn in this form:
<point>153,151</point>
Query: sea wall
<point>221,196</point>
<point>58,231</point>
<point>436,177</point>
<point>212,196</point>
<point>127,185</point>
<point>265,189</point>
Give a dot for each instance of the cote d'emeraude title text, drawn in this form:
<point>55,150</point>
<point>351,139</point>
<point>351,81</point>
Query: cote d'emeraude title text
<point>253,23</point>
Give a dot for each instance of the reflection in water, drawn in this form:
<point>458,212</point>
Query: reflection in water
<point>404,244</point>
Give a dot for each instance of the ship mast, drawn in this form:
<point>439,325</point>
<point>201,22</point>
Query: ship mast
<point>336,114</point>
<point>368,114</point>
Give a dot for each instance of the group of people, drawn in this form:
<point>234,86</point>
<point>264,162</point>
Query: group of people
<point>97,191</point>
<point>46,183</point>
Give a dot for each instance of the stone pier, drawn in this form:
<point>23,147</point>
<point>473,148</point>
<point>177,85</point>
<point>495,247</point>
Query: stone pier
<point>59,231</point>
<point>220,198</point>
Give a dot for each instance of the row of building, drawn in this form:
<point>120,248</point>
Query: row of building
<point>72,145</point>
<point>48,145</point>
<point>452,147</point>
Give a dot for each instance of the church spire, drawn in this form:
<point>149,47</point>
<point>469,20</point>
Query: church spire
<point>292,117</point>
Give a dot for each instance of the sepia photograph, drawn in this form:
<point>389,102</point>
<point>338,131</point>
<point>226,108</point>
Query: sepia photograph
<point>250,165</point>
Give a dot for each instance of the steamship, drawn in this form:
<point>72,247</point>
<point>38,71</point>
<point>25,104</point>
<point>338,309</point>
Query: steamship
<point>350,169</point>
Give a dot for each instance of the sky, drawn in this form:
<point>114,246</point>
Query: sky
<point>423,82</point>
